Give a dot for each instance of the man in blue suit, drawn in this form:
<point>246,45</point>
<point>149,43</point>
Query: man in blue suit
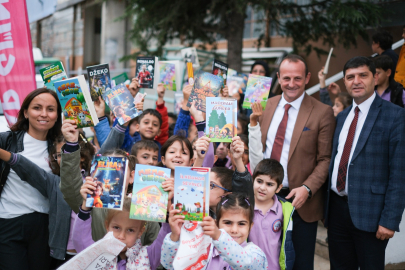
<point>366,192</point>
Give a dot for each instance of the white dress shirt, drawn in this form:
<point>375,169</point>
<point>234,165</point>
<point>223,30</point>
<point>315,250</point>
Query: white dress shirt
<point>364,108</point>
<point>275,122</point>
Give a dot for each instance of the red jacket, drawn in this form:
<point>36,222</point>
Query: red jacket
<point>164,128</point>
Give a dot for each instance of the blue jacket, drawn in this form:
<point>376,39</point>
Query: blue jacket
<point>376,176</point>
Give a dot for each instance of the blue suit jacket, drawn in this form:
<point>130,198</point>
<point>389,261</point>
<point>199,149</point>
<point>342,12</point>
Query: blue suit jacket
<point>376,177</point>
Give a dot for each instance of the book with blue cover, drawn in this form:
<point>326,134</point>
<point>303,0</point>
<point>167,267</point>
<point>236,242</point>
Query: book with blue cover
<point>192,192</point>
<point>74,97</point>
<point>121,103</point>
<point>149,200</point>
<point>109,175</point>
<point>205,85</point>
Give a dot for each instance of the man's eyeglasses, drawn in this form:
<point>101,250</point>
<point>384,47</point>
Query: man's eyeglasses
<point>212,185</point>
<point>57,156</point>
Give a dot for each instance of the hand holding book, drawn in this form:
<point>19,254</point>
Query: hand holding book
<point>176,221</point>
<point>197,115</point>
<point>99,105</point>
<point>201,146</point>
<point>237,148</point>
<point>70,131</point>
<point>257,111</point>
<point>210,228</point>
<point>87,188</point>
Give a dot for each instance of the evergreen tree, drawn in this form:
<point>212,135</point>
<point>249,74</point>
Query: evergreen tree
<point>222,120</point>
<point>213,119</point>
<point>157,22</point>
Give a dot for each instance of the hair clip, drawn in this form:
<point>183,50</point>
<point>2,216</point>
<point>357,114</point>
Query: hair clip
<point>224,201</point>
<point>85,141</point>
<point>247,201</point>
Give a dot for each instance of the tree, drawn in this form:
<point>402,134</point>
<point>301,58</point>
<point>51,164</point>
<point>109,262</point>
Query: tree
<point>222,120</point>
<point>213,119</point>
<point>157,22</point>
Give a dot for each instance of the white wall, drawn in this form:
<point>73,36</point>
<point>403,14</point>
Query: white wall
<point>395,252</point>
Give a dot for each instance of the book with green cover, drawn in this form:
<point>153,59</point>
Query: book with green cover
<point>257,89</point>
<point>149,200</point>
<point>222,119</point>
<point>52,74</point>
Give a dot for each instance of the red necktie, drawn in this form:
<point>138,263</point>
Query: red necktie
<point>279,140</point>
<point>342,171</point>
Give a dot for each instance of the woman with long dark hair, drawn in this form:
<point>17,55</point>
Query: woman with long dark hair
<point>34,218</point>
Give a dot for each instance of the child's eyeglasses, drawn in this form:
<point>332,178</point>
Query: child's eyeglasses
<point>212,185</point>
<point>57,156</point>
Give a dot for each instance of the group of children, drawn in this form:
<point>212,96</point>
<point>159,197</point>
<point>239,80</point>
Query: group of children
<point>249,225</point>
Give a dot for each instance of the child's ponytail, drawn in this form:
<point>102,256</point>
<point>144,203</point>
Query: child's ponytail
<point>235,201</point>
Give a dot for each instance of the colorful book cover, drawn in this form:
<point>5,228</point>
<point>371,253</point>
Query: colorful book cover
<point>149,200</point>
<point>99,80</point>
<point>257,89</point>
<point>192,192</point>
<point>74,97</point>
<point>220,69</point>
<point>222,119</point>
<point>167,73</point>
<point>109,174</point>
<point>205,85</point>
<point>147,72</point>
<point>52,74</point>
<point>178,98</point>
<point>190,55</point>
<point>122,78</point>
<point>235,85</point>
<point>232,72</point>
<point>121,103</point>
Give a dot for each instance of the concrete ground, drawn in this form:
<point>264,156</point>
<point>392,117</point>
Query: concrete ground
<point>321,263</point>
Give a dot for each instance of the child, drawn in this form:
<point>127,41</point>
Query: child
<point>127,230</point>
<point>177,151</point>
<point>342,101</point>
<point>149,125</point>
<point>229,234</point>
<point>146,152</point>
<point>272,223</point>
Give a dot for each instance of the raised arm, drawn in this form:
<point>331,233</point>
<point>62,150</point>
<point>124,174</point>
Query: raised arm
<point>255,136</point>
<point>161,108</point>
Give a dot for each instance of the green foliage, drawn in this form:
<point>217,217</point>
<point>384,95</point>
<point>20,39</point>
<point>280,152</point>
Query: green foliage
<point>157,22</point>
<point>222,120</point>
<point>213,119</point>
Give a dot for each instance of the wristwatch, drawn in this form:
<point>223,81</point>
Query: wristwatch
<point>309,191</point>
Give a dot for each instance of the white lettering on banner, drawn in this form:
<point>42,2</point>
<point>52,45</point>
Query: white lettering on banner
<point>4,14</point>
<point>5,29</point>
<point>11,100</point>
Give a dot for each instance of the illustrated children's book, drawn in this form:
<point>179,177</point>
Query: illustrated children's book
<point>52,74</point>
<point>167,73</point>
<point>222,119</point>
<point>121,103</point>
<point>74,97</point>
<point>147,71</point>
<point>192,192</point>
<point>232,72</point>
<point>190,55</point>
<point>99,80</point>
<point>258,88</point>
<point>149,200</point>
<point>99,255</point>
<point>109,175</point>
<point>205,85</point>
<point>235,85</point>
<point>220,69</point>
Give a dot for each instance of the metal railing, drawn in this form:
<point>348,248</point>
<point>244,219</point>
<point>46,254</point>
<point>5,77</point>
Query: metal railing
<point>339,75</point>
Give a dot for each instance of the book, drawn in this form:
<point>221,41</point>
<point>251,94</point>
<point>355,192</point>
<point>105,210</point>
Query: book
<point>326,69</point>
<point>99,255</point>
<point>232,72</point>
<point>109,174</point>
<point>257,89</point>
<point>122,78</point>
<point>178,98</point>
<point>147,72</point>
<point>52,74</point>
<point>220,69</point>
<point>121,103</point>
<point>235,85</point>
<point>222,116</point>
<point>190,55</point>
<point>99,80</point>
<point>192,192</point>
<point>170,75</point>
<point>205,85</point>
<point>74,97</point>
<point>149,200</point>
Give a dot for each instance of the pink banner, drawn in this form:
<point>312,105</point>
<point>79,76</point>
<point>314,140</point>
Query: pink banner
<point>17,72</point>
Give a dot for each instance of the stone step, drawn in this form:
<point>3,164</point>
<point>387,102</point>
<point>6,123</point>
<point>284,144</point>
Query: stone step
<point>321,247</point>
